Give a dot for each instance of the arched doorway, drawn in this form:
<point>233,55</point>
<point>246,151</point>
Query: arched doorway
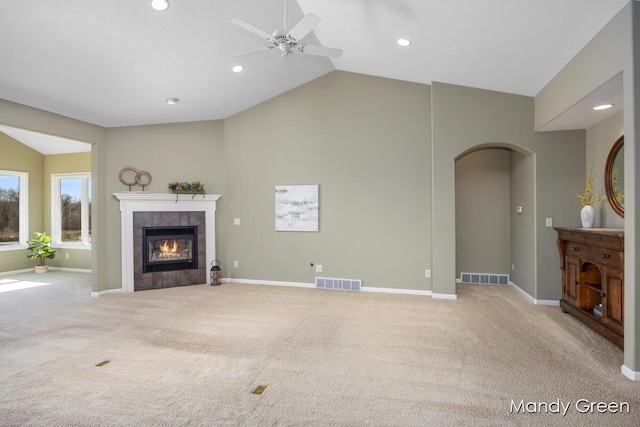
<point>495,215</point>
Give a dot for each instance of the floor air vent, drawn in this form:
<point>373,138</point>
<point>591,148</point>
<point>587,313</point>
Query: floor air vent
<point>485,278</point>
<point>343,284</point>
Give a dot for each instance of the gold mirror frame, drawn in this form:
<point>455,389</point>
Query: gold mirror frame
<point>608,177</point>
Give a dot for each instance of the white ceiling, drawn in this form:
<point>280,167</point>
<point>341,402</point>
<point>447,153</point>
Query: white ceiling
<point>115,62</point>
<point>46,144</point>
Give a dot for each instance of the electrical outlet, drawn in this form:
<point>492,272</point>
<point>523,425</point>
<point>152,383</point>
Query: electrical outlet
<point>513,268</point>
<point>519,210</point>
<point>236,221</point>
<point>318,268</point>
<point>427,273</point>
<point>66,255</point>
<point>235,264</point>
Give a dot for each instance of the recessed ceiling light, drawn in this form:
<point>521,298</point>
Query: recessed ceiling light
<point>603,107</point>
<point>403,42</point>
<point>172,101</point>
<point>237,68</point>
<point>159,4</point>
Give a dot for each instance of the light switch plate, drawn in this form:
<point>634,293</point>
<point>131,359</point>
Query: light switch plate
<point>549,222</point>
<point>236,221</point>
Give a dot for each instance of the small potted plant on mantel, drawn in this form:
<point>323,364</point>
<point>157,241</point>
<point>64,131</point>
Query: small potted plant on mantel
<point>193,188</point>
<point>40,249</point>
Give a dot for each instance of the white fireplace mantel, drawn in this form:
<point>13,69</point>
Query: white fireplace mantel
<point>131,202</point>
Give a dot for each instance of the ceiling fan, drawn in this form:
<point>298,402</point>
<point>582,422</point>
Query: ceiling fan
<point>288,42</point>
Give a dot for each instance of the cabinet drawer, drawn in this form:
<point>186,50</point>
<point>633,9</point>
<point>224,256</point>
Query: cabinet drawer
<point>571,236</point>
<point>608,257</point>
<point>578,250</point>
<point>604,240</point>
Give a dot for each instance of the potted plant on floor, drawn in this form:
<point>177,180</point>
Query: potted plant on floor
<point>40,249</point>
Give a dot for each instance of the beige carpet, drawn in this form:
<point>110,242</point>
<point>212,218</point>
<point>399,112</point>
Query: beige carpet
<point>192,356</point>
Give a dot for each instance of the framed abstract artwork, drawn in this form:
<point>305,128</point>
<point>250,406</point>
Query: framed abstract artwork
<point>297,208</point>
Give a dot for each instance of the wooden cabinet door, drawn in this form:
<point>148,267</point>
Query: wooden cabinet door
<point>572,275</point>
<point>613,301</point>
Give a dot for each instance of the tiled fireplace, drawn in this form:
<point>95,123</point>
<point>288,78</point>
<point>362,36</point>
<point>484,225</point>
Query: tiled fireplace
<point>166,249</point>
<point>166,241</point>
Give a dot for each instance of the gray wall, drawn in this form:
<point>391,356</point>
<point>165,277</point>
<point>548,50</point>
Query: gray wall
<point>365,141</point>
<point>483,223</point>
<point>465,119</point>
<point>523,245</point>
<point>18,157</point>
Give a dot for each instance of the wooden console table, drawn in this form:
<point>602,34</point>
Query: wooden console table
<point>592,263</point>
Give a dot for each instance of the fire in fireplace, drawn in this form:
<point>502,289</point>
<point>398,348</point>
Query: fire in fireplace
<point>169,248</point>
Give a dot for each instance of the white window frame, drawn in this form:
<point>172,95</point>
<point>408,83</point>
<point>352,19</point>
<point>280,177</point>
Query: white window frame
<point>56,219</point>
<point>23,200</point>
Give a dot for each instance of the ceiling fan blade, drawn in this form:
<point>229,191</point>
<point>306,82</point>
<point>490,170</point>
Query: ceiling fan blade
<point>252,29</point>
<point>320,50</point>
<point>304,27</point>
<point>254,52</point>
<point>292,64</point>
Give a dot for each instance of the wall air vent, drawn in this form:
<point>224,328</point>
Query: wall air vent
<point>342,284</point>
<point>485,278</point>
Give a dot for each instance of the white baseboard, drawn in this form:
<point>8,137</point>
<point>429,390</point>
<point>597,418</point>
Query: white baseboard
<point>106,292</point>
<point>450,297</point>
<point>632,375</point>
<point>269,283</point>
<point>313,286</point>
<point>30,270</point>
<point>70,270</point>
<point>11,273</point>
<point>546,302</point>
<point>396,291</point>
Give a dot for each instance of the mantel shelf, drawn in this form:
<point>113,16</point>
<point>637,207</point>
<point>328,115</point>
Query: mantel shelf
<point>164,197</point>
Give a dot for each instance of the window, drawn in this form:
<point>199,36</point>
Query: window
<point>71,209</point>
<point>14,210</point>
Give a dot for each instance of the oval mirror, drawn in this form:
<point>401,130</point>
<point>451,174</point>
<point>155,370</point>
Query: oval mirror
<point>614,177</point>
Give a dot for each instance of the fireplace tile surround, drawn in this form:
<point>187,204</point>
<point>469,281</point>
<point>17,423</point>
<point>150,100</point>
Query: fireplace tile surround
<point>160,209</point>
<point>167,279</point>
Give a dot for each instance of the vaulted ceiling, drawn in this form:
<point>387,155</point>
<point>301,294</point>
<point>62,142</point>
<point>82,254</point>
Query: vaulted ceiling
<point>116,62</point>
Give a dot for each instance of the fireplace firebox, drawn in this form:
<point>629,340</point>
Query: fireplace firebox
<point>169,248</point>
